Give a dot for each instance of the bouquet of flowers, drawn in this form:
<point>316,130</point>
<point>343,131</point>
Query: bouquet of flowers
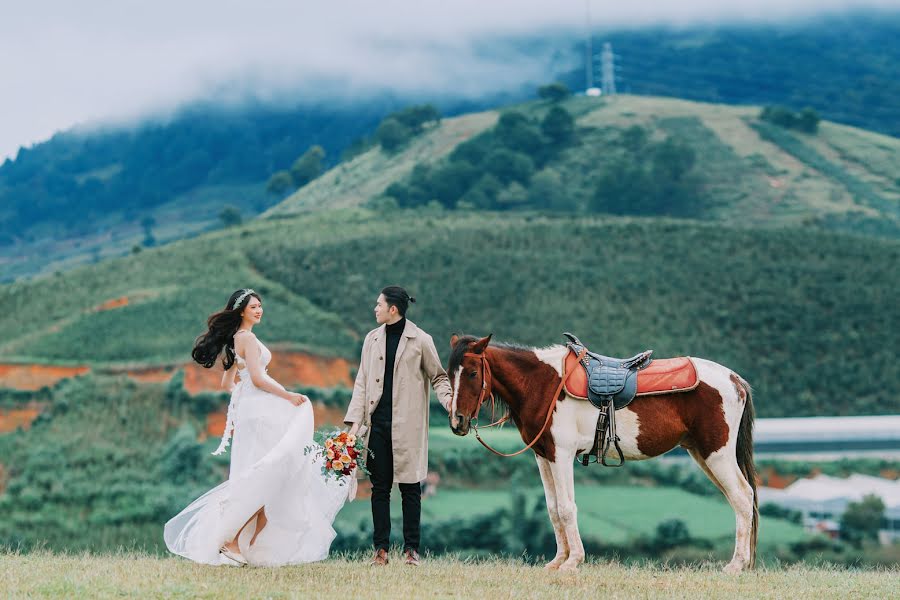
<point>342,453</point>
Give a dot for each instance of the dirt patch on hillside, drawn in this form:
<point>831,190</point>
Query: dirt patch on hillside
<point>289,368</point>
<point>113,303</point>
<point>34,377</point>
<point>12,419</point>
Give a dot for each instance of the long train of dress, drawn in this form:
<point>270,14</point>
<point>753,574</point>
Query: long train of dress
<point>272,465</point>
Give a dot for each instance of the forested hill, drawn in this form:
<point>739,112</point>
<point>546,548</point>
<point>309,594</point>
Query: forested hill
<point>85,196</point>
<point>631,155</point>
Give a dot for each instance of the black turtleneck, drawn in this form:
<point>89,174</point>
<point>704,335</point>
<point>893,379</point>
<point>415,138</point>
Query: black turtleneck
<point>383,411</point>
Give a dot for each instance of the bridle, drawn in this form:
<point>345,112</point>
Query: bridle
<point>487,380</point>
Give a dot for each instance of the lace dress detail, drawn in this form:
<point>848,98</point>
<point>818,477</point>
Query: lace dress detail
<point>269,468</point>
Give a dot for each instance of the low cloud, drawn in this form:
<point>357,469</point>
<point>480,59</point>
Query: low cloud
<point>111,60</point>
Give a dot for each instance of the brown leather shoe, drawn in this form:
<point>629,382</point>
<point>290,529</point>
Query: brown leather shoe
<point>412,557</point>
<point>381,558</point>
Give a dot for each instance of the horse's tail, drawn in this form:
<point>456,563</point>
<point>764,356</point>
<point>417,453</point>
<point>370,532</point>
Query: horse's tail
<point>745,462</point>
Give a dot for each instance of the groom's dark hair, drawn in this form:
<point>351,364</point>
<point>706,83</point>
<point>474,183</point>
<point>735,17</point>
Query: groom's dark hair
<point>397,296</point>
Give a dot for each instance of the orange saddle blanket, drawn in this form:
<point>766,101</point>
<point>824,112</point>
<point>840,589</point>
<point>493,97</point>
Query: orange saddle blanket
<point>663,376</point>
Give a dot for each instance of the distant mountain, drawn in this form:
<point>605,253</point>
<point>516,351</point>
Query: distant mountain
<point>83,197</point>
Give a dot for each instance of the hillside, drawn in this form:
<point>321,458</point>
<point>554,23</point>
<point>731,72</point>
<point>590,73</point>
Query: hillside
<point>784,307</point>
<point>84,195</point>
<point>743,170</point>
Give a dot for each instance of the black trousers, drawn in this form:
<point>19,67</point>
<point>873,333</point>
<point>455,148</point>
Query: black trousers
<point>381,473</point>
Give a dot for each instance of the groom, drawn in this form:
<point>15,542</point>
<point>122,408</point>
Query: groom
<point>389,409</point>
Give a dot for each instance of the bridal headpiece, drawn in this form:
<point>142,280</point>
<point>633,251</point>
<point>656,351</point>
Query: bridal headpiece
<point>240,298</point>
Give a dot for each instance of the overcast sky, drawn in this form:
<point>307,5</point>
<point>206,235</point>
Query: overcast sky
<point>64,63</point>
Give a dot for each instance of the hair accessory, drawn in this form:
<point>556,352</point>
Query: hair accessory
<point>240,298</point>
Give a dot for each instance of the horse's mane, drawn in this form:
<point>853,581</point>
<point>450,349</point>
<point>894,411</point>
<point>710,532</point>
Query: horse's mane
<point>462,346</point>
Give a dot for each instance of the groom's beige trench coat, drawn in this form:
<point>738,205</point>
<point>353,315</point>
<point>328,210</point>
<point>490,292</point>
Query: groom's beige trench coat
<point>417,368</point>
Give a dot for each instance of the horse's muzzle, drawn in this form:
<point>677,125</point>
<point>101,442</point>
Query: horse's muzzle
<point>459,424</point>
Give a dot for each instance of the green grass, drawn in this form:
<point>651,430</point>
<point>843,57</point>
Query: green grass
<point>609,514</point>
<point>44,575</point>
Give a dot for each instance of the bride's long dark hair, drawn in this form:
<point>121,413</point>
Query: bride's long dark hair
<point>220,334</point>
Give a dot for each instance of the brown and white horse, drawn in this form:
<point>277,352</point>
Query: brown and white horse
<point>713,422</point>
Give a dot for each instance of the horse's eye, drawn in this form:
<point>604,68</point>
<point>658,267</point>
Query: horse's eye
<point>473,374</point>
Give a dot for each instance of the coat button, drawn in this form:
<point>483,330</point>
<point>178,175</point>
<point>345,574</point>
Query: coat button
<point>377,381</point>
<point>380,358</point>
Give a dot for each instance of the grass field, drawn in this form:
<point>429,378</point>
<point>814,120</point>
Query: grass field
<point>60,576</point>
<point>610,514</point>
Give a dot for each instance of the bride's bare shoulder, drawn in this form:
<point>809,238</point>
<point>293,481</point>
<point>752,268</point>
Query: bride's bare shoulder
<point>242,337</point>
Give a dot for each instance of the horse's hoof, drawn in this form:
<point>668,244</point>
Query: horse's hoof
<point>733,568</point>
<point>568,567</point>
<point>551,566</point>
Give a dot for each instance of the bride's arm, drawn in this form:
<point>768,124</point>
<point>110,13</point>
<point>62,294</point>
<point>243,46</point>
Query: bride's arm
<point>248,346</point>
<point>228,377</point>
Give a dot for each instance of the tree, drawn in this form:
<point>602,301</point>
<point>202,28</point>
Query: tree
<point>554,92</point>
<point>672,159</point>
<point>517,133</point>
<point>547,191</point>
<point>672,533</point>
<point>507,165</point>
<point>808,120</point>
<point>862,520</point>
<point>449,183</point>
<point>484,193</point>
<point>634,138</point>
<point>558,125</point>
<point>416,117</point>
<point>779,115</point>
<point>230,216</point>
<point>392,134</point>
<point>307,167</point>
<point>513,196</point>
<point>279,183</point>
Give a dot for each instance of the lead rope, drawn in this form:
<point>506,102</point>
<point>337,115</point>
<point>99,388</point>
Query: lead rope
<point>484,388</point>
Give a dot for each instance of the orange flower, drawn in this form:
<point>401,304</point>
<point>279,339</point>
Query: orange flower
<point>329,453</point>
<point>329,443</point>
<point>337,465</point>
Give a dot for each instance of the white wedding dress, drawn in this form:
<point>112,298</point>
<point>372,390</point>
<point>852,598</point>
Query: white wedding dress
<point>269,467</point>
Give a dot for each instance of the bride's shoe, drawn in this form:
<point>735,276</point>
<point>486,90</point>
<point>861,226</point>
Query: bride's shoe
<point>233,556</point>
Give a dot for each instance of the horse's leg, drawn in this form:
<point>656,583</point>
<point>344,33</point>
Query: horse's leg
<point>701,462</point>
<point>723,465</point>
<point>562,545</point>
<point>564,480</point>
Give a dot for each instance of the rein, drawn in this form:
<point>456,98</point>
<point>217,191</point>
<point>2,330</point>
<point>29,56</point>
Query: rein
<point>487,390</point>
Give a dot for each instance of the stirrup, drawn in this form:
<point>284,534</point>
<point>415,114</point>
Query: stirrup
<point>238,558</point>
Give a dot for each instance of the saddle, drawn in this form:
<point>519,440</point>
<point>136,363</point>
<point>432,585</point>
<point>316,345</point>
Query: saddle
<point>608,377</point>
<point>612,384</point>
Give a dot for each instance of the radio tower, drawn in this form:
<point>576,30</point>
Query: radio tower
<point>608,71</point>
<point>589,88</point>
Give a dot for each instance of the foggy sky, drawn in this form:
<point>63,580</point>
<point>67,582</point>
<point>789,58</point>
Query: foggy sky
<point>65,63</point>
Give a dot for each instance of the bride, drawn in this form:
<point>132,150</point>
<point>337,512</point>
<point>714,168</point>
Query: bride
<point>276,507</point>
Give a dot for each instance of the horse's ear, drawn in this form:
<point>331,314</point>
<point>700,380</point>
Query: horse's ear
<point>453,340</point>
<point>481,344</point>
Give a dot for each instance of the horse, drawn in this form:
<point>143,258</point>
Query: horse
<point>713,422</point>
